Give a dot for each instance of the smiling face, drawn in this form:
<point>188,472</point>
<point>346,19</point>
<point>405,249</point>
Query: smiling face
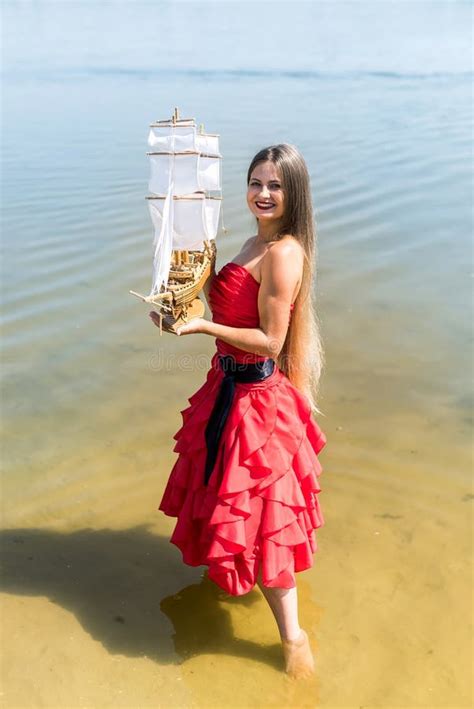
<point>265,197</point>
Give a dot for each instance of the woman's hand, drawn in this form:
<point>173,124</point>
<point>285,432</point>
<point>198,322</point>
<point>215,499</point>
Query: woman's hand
<point>195,325</point>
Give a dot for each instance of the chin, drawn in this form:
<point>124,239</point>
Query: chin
<point>268,217</point>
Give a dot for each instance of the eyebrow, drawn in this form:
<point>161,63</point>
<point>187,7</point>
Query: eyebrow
<point>255,179</point>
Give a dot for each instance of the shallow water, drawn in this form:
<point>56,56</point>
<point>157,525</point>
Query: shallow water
<point>99,609</point>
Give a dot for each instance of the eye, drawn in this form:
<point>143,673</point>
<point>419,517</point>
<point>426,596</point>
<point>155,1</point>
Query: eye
<point>254,183</point>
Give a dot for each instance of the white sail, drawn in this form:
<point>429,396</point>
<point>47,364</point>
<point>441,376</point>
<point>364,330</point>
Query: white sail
<point>191,172</point>
<point>196,219</point>
<point>207,143</point>
<point>212,210</point>
<point>162,243</point>
<point>209,173</point>
<point>184,136</point>
<point>161,138</point>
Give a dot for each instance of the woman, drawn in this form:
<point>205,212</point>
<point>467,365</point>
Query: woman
<point>245,485</point>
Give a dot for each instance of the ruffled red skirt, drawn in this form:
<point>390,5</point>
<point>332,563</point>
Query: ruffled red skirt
<point>260,508</point>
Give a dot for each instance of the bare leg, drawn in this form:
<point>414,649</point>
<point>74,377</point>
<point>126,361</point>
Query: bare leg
<point>284,605</point>
<point>299,661</point>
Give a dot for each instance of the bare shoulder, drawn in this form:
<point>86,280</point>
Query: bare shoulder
<point>282,268</point>
<point>285,250</point>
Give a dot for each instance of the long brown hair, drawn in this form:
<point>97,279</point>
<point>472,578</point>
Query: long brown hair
<point>302,355</point>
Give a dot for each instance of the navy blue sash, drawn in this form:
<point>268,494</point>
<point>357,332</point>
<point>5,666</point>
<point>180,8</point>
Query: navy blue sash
<point>233,372</point>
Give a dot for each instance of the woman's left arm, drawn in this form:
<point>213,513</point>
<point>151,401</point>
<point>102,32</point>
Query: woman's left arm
<point>281,271</point>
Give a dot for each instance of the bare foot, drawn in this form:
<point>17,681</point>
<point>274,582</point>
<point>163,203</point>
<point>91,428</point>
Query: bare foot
<point>299,661</point>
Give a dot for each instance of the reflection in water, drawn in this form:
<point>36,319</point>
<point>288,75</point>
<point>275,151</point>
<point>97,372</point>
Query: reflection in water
<point>225,635</point>
<point>203,624</point>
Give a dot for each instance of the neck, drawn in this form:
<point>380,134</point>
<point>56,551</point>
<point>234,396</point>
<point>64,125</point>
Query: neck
<point>267,232</point>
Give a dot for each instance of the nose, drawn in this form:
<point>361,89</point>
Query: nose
<point>264,191</point>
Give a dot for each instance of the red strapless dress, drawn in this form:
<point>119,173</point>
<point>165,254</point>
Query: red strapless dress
<point>260,507</point>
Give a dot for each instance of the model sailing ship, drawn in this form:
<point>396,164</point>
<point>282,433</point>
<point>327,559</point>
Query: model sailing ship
<point>185,169</point>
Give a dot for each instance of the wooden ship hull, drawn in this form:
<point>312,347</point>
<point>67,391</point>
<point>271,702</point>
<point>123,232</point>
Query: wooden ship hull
<point>189,271</point>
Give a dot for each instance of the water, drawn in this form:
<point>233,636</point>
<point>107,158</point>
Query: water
<point>378,99</point>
